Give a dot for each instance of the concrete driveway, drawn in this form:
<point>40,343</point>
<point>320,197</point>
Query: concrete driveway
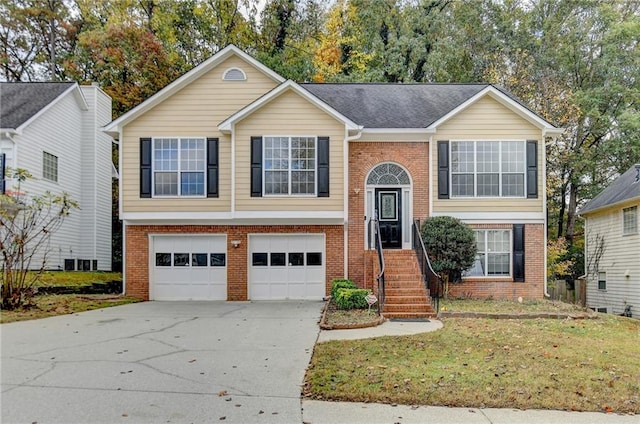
<point>160,362</point>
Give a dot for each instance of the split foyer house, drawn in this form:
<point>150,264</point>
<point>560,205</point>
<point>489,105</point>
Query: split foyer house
<point>237,184</point>
<point>612,246</point>
<point>53,130</point>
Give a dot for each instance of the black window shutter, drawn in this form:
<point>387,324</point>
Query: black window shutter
<point>323,166</point>
<point>212,167</point>
<point>145,167</point>
<point>256,166</point>
<point>532,169</point>
<point>443,169</point>
<point>518,253</point>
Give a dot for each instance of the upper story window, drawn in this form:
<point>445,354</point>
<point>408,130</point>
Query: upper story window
<point>289,165</point>
<point>494,254</point>
<point>49,167</point>
<point>630,220</point>
<point>488,168</point>
<point>179,166</point>
<point>234,74</point>
<point>602,280</point>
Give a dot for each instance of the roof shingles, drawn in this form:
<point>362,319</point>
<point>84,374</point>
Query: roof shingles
<point>19,101</point>
<point>625,187</point>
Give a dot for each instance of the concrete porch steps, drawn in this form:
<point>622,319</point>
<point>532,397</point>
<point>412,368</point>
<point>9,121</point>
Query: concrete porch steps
<point>405,294</point>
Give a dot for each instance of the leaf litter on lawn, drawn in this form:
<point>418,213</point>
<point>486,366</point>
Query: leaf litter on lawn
<point>582,365</point>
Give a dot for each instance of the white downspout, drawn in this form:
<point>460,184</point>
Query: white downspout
<point>233,170</point>
<point>544,212</point>
<point>346,188</point>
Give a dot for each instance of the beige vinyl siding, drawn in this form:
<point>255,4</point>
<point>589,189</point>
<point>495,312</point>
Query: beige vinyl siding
<point>620,254</point>
<point>487,119</point>
<point>289,114</point>
<point>195,111</point>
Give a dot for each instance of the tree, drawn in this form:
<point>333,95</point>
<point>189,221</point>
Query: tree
<point>26,226</point>
<point>451,246</point>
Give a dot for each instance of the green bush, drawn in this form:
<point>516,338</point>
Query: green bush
<point>351,298</point>
<point>341,283</point>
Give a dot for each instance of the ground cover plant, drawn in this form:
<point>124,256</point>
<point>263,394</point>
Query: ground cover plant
<point>44,306</point>
<point>582,365</point>
<point>74,278</point>
<point>507,306</point>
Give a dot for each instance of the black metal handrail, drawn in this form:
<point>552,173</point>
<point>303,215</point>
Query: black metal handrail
<point>374,227</point>
<point>431,279</point>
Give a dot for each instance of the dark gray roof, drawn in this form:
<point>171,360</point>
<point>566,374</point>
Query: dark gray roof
<point>19,101</point>
<point>625,187</point>
<point>394,105</point>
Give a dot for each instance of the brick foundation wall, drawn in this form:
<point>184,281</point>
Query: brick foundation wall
<point>363,157</point>
<point>504,288</point>
<point>137,253</point>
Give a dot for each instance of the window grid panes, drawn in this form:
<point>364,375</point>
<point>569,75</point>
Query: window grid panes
<point>179,166</point>
<point>49,166</point>
<point>487,168</point>
<point>289,165</point>
<point>630,220</point>
<point>602,280</point>
<point>494,254</point>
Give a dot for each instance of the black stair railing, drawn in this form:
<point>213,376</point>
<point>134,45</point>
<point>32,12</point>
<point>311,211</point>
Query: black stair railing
<point>431,279</point>
<point>374,229</point>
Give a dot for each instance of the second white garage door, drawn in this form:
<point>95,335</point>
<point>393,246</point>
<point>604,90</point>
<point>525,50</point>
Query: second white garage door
<point>288,266</point>
<point>189,267</point>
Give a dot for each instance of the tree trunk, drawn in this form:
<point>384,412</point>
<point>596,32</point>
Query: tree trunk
<point>571,213</point>
<point>563,207</point>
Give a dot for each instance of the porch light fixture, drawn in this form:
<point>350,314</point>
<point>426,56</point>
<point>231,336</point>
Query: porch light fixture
<point>235,243</point>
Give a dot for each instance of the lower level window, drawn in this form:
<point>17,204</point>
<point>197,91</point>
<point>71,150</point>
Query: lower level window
<point>602,280</point>
<point>494,254</point>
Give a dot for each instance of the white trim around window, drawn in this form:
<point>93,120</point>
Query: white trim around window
<point>289,166</point>
<point>178,167</point>
<point>488,168</point>
<point>630,221</point>
<point>495,253</point>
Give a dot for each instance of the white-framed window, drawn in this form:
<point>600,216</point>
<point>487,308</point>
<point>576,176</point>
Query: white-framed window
<point>179,166</point>
<point>494,254</point>
<point>630,220</point>
<point>488,168</point>
<point>602,280</point>
<point>49,167</point>
<point>289,166</point>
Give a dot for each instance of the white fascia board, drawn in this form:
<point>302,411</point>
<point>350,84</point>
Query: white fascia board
<point>229,218</point>
<point>226,125</point>
<point>113,127</point>
<point>8,132</point>
<point>616,205</point>
<point>495,217</point>
<point>75,89</point>
<point>504,100</point>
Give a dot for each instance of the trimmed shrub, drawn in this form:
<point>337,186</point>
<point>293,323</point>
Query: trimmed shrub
<point>351,298</point>
<point>341,283</point>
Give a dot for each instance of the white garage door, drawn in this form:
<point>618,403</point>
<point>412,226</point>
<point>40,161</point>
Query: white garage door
<point>189,268</point>
<point>286,266</point>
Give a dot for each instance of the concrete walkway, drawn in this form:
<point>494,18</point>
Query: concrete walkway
<point>319,412</point>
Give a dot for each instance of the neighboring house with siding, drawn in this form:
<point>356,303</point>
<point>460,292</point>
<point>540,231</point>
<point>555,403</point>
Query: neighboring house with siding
<point>612,246</point>
<point>238,184</point>
<point>53,130</point>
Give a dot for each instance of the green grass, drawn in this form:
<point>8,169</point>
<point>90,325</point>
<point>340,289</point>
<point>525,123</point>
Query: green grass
<point>507,306</point>
<point>583,365</point>
<point>61,304</point>
<point>66,278</point>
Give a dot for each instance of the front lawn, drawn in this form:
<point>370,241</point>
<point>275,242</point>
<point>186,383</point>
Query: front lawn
<point>506,306</point>
<point>582,365</point>
<point>61,304</point>
<point>76,278</point>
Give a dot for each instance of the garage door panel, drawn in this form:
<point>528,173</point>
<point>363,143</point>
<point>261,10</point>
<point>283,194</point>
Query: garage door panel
<point>183,267</point>
<point>268,279</point>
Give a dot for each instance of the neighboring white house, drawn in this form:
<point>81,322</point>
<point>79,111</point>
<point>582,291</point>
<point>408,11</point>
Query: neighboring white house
<point>53,131</point>
<point>612,246</point>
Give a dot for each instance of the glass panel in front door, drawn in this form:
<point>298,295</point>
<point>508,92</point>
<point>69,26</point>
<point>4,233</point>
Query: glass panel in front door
<point>388,208</point>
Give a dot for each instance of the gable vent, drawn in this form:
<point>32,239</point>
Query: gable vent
<point>234,74</point>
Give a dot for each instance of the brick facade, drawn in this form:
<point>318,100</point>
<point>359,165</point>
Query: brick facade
<point>506,288</point>
<point>137,252</point>
<point>363,157</point>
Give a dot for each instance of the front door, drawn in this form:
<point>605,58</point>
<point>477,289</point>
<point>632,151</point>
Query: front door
<point>388,211</point>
